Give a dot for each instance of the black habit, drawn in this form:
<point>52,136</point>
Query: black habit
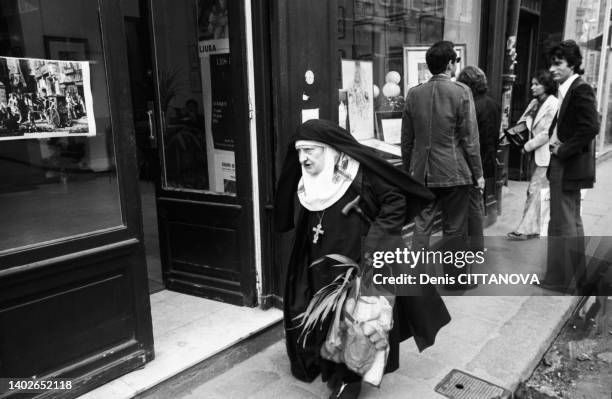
<point>389,198</point>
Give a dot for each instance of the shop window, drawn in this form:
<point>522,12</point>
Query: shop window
<point>382,45</point>
<point>194,74</point>
<point>57,160</point>
<point>586,22</point>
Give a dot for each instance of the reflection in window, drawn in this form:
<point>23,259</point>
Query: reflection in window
<point>586,23</point>
<point>392,36</point>
<point>194,81</point>
<point>57,162</point>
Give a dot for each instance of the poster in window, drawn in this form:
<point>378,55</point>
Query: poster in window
<point>213,19</point>
<point>220,85</point>
<point>227,177</point>
<point>357,79</point>
<point>66,48</point>
<point>216,80</point>
<point>42,98</point>
<point>415,65</point>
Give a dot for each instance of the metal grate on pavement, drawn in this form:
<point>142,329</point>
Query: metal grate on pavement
<point>460,385</point>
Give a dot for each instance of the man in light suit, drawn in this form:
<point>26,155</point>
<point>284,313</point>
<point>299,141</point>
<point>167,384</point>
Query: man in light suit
<point>571,168</point>
<point>440,146</point>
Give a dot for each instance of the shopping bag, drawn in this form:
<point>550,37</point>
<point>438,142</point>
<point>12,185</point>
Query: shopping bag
<point>347,342</point>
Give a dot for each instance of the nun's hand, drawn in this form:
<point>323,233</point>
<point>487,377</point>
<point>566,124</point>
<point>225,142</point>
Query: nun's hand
<point>376,335</point>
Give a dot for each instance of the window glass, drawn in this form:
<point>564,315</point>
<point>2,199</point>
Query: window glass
<point>194,79</point>
<point>57,161</point>
<point>382,45</point>
<point>586,24</point>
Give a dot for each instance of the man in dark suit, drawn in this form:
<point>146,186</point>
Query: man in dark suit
<point>572,166</point>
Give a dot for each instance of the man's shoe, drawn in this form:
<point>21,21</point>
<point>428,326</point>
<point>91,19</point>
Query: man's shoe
<point>347,390</point>
<point>334,381</point>
<point>460,287</point>
<point>514,236</point>
<point>544,284</point>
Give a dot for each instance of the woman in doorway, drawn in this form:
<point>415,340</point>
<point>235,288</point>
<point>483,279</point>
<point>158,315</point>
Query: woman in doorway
<point>538,117</point>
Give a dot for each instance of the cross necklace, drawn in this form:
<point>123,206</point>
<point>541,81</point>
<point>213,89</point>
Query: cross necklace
<point>318,229</point>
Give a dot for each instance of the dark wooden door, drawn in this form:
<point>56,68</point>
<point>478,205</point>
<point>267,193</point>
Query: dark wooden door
<point>204,191</point>
<point>303,37</point>
<point>526,48</point>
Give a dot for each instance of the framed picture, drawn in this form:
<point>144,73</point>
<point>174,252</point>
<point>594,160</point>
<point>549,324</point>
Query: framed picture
<point>431,28</point>
<point>389,126</point>
<point>461,53</point>
<point>363,47</point>
<point>66,48</point>
<point>415,66</point>
<point>357,80</point>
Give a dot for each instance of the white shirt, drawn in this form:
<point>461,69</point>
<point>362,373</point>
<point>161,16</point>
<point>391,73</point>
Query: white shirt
<point>562,93</point>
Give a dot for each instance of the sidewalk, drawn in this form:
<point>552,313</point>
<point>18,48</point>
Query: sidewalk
<point>498,339</point>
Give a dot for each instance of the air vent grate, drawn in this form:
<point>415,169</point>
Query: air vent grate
<point>459,385</point>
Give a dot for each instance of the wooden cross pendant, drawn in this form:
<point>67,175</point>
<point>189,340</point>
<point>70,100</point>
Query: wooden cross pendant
<point>317,231</point>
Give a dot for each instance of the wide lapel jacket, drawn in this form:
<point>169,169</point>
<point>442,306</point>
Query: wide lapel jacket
<point>563,106</point>
<point>577,126</point>
<point>544,109</point>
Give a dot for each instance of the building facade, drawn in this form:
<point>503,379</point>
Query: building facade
<point>138,133</point>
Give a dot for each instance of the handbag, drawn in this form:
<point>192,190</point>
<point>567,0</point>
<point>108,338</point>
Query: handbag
<point>516,135</point>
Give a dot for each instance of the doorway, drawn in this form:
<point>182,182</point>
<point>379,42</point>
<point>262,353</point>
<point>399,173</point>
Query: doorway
<point>138,43</point>
<point>191,118</point>
<point>526,48</point>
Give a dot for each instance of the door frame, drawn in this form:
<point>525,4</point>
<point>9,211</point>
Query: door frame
<point>278,86</point>
<point>264,125</point>
<point>243,201</point>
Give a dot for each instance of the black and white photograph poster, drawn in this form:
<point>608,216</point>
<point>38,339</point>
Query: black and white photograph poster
<point>45,98</point>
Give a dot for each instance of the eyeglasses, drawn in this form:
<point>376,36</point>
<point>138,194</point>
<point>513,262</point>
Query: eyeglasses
<point>457,60</point>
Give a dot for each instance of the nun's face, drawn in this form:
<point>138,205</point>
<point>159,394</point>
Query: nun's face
<point>312,158</point>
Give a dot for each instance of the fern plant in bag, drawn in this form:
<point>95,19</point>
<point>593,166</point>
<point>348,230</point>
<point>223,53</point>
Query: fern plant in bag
<point>355,318</point>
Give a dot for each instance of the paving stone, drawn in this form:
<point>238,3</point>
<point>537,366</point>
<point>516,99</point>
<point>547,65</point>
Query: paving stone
<point>397,386</point>
<point>513,353</point>
<point>419,367</point>
<point>451,351</point>
<point>605,356</point>
<point>244,384</point>
<point>494,309</point>
<point>285,391</point>
<point>462,327</point>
